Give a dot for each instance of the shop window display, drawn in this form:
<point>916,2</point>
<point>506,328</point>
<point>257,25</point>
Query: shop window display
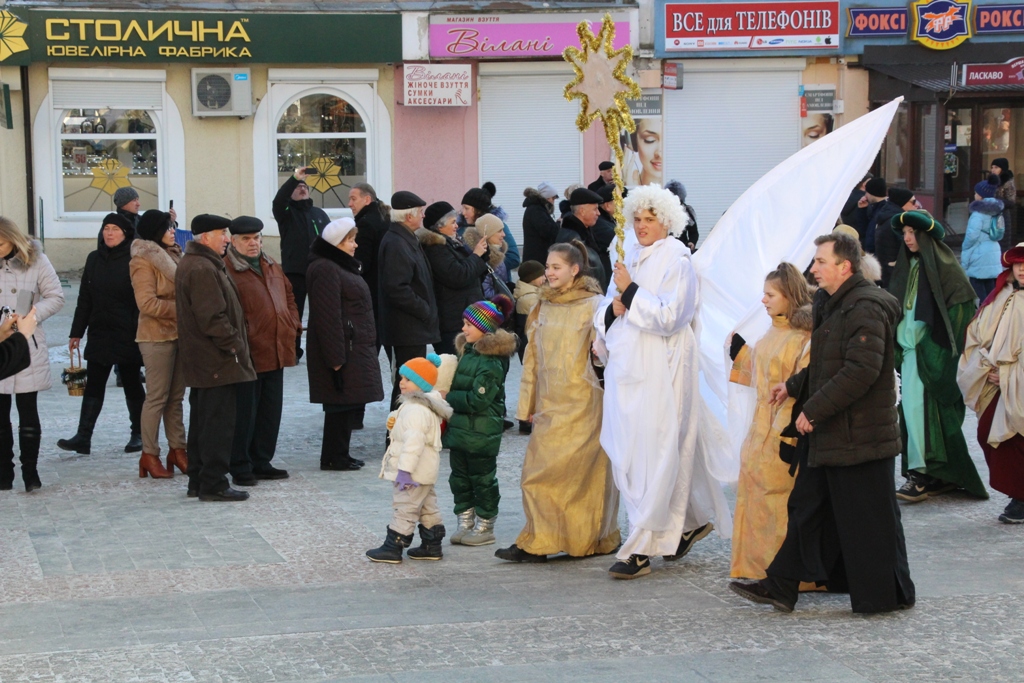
<point>896,150</point>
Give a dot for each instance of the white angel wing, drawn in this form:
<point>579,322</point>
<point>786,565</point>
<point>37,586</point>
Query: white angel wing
<point>775,220</point>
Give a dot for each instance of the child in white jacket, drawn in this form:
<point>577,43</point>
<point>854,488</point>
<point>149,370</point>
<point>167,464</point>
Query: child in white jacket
<point>412,461</point>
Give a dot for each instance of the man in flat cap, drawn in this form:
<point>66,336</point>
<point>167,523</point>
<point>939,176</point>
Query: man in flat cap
<point>584,206</point>
<point>212,339</point>
<point>272,321</point>
<point>408,312</point>
<point>606,177</point>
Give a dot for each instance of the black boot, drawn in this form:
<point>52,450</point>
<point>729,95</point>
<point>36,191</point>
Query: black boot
<point>81,442</point>
<point>28,442</point>
<point>391,551</point>
<point>430,546</point>
<point>6,457</point>
<point>134,444</point>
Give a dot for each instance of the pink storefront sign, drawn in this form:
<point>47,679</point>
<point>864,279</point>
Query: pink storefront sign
<point>513,35</point>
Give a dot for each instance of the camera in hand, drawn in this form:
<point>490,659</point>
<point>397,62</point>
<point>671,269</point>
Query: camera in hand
<point>310,170</point>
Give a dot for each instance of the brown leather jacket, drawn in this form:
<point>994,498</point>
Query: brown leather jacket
<point>271,315</point>
<point>152,270</point>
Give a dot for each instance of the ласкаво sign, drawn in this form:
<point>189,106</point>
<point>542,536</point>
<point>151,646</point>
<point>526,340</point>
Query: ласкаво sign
<point>940,24</point>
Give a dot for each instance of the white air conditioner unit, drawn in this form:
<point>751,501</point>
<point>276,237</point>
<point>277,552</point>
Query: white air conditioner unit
<point>221,92</point>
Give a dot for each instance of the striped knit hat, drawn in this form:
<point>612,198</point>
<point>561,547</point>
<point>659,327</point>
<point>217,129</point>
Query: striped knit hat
<point>422,371</point>
<point>488,316</point>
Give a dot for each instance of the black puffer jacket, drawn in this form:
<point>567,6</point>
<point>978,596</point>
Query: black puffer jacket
<point>106,306</point>
<point>887,241</point>
<point>371,224</point>
<point>457,274</point>
<point>341,331</point>
<point>850,380</point>
<point>408,310</point>
<point>600,262</point>
<point>539,226</point>
<point>299,224</point>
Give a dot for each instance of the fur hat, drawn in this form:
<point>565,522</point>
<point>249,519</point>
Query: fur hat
<point>489,224</point>
<point>488,316</point>
<point>530,270</point>
<point>437,214</point>
<point>661,203</point>
<point>875,187</point>
<point>422,371</point>
<point>479,199</point>
<point>986,189</point>
<point>335,232</point>
<point>153,225</point>
<point>123,195</point>
<point>1013,255</point>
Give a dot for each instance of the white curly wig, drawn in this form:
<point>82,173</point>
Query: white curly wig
<point>659,201</point>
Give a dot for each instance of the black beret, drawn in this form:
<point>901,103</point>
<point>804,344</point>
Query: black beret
<point>435,213</point>
<point>900,196</point>
<point>582,195</point>
<point>605,166</point>
<point>205,222</point>
<point>918,220</point>
<point>246,225</point>
<point>120,221</point>
<point>875,187</point>
<point>403,199</point>
<point>153,225</point>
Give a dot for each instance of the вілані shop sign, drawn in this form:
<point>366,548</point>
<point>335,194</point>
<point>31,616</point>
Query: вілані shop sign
<point>211,37</point>
<point>437,85</point>
<point>503,36</point>
<point>796,25</point>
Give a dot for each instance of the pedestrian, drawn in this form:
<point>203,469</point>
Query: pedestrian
<point>408,311</point>
<point>980,253</point>
<point>652,429</point>
<point>477,398</point>
<point>569,500</point>
<point>412,461</point>
<point>25,269</point>
<point>344,373</point>
<point>887,243</point>
<point>765,481</point>
<point>604,228</point>
<point>108,312</point>
<point>606,177</point>
<point>938,303</point>
<point>577,224</point>
<point>271,321</point>
<point>458,270</point>
<point>478,202</point>
<point>154,262</point>
<point>372,220</point>
<point>855,211</point>
<point>298,222</point>
<point>488,229</point>
<point>531,279</point>
<point>991,375</point>
<point>127,205</point>
<point>844,529</point>
<point>1007,194</point>
<point>875,191</point>
<point>213,341</point>
<point>691,234</point>
<point>539,225</point>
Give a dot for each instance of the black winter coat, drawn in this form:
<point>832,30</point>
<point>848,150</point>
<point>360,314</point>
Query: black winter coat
<point>408,310</point>
<point>341,331</point>
<point>539,227</point>
<point>106,306</point>
<point>457,274</point>
<point>604,230</point>
<point>857,216</point>
<point>132,218</point>
<point>600,261</point>
<point>850,380</point>
<point>887,242</point>
<point>371,224</point>
<point>299,224</point>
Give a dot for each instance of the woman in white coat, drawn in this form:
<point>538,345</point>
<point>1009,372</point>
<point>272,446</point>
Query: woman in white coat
<point>26,279</point>
<point>651,429</point>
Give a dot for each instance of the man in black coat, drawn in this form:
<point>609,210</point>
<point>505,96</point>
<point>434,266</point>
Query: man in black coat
<point>604,228</point>
<point>607,175</point>
<point>299,223</point>
<point>577,225</point>
<point>372,222</point>
<point>540,229</point>
<point>408,312</point>
<point>844,526</point>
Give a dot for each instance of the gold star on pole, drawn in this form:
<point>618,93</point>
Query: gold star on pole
<point>329,176</point>
<point>109,176</point>
<point>602,86</point>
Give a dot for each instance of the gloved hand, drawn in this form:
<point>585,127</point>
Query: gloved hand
<point>337,380</point>
<point>404,481</point>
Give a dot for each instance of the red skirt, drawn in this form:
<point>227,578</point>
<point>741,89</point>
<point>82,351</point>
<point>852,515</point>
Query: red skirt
<point>1006,463</point>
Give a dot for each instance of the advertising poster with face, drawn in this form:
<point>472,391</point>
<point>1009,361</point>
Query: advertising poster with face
<point>642,161</point>
<point>816,117</point>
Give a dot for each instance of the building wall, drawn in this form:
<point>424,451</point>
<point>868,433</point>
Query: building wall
<point>12,155</point>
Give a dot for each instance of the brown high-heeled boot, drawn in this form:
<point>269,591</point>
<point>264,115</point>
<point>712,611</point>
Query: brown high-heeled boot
<point>177,457</point>
<point>150,464</point>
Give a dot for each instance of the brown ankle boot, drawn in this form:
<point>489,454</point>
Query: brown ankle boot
<point>177,457</point>
<point>149,464</point>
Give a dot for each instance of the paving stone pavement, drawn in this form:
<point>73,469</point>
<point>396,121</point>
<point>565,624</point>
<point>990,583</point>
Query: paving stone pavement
<point>108,577</point>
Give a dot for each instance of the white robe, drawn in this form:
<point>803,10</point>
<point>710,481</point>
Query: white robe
<point>652,404</point>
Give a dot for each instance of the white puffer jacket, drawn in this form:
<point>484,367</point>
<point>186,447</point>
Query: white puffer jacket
<point>47,296</point>
<point>416,437</point>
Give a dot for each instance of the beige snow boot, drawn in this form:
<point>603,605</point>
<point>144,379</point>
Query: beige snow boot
<point>467,520</point>
<point>483,534</point>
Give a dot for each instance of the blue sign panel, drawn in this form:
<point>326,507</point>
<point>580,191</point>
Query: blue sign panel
<point>865,22</point>
<point>999,19</point>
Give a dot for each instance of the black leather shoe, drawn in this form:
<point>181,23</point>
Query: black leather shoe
<point>514,553</point>
<point>270,473</point>
<point>134,444</point>
<point>248,480</point>
<point>340,466</point>
<point>227,495</point>
<point>756,592</point>
<point>192,493</point>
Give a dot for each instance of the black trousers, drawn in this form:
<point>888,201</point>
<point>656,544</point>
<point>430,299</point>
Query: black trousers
<point>845,531</point>
<point>211,430</point>
<point>399,355</point>
<point>28,410</point>
<point>298,281</point>
<point>447,343</point>
<point>338,426</point>
<point>257,423</point>
<point>97,374</point>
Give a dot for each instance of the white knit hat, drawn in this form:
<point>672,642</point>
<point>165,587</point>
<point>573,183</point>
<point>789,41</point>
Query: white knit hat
<point>547,190</point>
<point>335,232</point>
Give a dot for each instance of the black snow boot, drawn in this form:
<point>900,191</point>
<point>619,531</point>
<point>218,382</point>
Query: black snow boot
<point>28,442</point>
<point>134,444</point>
<point>81,442</point>
<point>430,546</point>
<point>391,551</point>
<point>6,457</point>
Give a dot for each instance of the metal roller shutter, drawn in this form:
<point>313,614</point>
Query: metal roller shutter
<point>527,135</point>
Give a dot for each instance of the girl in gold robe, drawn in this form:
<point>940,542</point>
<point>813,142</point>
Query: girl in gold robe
<point>569,498</point>
<point>765,482</point>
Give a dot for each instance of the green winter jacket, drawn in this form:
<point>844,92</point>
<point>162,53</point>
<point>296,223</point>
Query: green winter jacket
<point>477,396</point>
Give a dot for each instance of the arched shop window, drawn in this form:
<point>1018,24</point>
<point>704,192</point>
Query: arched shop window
<point>325,132</point>
<point>103,150</point>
